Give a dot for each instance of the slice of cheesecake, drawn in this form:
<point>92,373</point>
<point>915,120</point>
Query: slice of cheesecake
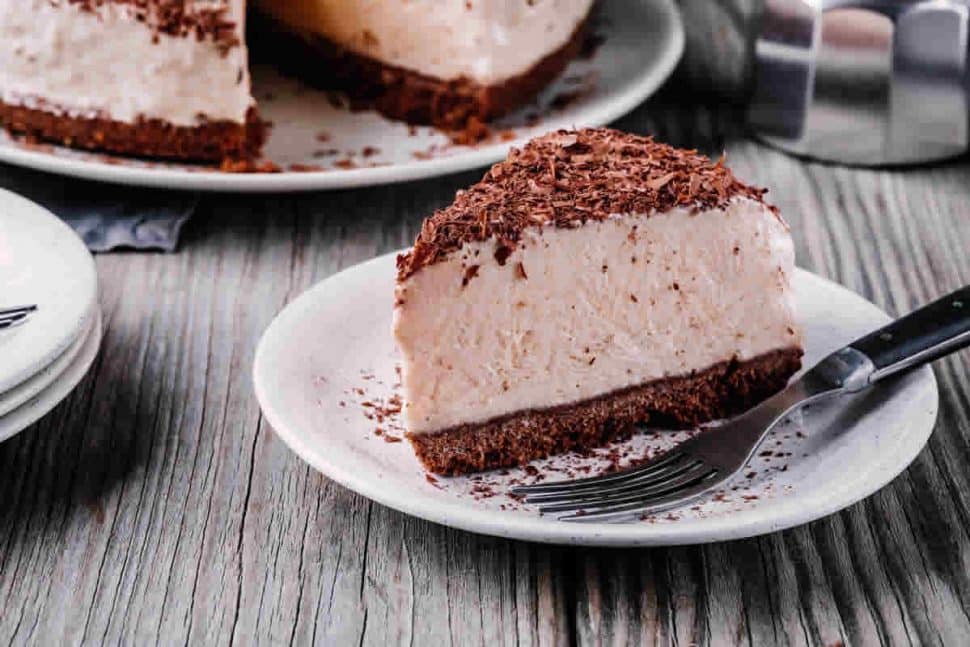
<point>440,63</point>
<point>158,78</point>
<point>593,280</point>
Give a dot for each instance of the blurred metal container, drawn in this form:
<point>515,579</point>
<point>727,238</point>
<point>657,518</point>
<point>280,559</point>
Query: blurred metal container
<point>864,82</point>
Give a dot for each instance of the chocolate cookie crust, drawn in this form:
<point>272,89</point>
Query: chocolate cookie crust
<point>567,178</point>
<point>214,141</point>
<point>717,392</point>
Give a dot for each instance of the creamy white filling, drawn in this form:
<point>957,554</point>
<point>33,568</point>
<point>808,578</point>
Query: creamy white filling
<point>605,306</point>
<point>487,41</point>
<point>104,63</point>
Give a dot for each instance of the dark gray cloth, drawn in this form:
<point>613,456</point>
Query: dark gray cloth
<point>107,216</point>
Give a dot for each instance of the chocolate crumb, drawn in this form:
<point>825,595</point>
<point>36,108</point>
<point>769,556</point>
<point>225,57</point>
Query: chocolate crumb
<point>564,99</point>
<point>470,272</point>
<point>475,131</point>
<point>591,44</point>
<point>502,253</point>
<point>249,166</point>
<point>520,271</point>
<point>304,168</point>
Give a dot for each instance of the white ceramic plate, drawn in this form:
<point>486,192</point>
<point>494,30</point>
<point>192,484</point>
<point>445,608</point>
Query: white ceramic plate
<point>41,403</point>
<point>42,261</point>
<point>644,42</point>
<point>329,356</point>
<point>13,398</point>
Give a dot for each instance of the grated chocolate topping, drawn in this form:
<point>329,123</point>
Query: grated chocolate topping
<point>567,178</point>
<point>201,19</point>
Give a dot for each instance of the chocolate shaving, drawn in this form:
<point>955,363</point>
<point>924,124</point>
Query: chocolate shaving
<point>567,178</point>
<point>502,252</point>
<point>177,18</point>
<point>470,272</point>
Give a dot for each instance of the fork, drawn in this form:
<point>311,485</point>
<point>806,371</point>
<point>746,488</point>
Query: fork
<point>10,317</point>
<point>710,459</point>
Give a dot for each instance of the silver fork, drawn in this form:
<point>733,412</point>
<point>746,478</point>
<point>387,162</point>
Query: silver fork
<point>711,458</point>
<point>10,317</point>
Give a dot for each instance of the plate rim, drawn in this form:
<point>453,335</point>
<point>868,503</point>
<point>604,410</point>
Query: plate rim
<point>26,390</point>
<point>214,181</point>
<point>464,517</point>
<point>58,390</point>
<point>28,209</point>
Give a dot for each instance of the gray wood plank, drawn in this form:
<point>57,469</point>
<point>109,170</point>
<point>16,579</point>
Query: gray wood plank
<point>156,506</point>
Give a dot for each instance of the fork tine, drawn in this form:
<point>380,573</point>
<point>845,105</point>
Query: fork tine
<point>635,483</point>
<point>12,320</point>
<point>597,481</point>
<point>612,499</point>
<point>650,504</point>
<point>17,310</point>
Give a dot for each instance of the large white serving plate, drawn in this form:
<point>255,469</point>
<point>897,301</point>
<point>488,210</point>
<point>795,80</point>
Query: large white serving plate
<point>644,40</point>
<point>331,351</point>
<point>43,262</point>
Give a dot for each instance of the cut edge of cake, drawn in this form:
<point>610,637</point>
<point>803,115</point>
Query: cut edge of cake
<point>163,79</point>
<point>678,402</point>
<point>570,182</point>
<point>404,94</point>
<point>216,141</point>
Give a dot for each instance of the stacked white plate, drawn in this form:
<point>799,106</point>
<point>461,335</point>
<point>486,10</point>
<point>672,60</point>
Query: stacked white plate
<point>43,262</point>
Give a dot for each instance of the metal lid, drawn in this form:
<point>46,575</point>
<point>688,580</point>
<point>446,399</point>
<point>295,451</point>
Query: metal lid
<point>863,82</point>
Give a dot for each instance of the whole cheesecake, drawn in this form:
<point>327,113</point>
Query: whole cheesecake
<point>593,280</point>
<point>170,78</point>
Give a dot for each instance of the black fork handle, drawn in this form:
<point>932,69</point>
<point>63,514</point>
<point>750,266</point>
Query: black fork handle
<point>933,331</point>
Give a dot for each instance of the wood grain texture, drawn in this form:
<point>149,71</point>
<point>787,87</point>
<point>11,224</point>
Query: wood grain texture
<point>155,506</point>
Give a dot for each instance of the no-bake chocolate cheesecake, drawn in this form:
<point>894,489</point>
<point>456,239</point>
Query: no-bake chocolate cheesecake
<point>593,280</point>
<point>170,78</point>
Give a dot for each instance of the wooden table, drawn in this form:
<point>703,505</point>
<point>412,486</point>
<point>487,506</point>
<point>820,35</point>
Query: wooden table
<point>156,506</point>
